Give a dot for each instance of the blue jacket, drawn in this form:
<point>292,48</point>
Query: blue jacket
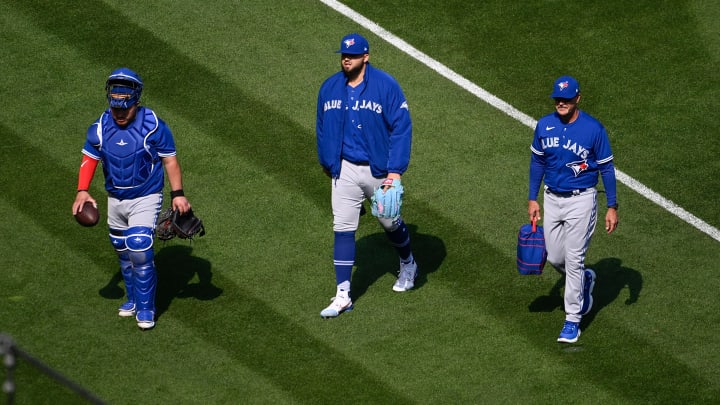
<point>384,117</point>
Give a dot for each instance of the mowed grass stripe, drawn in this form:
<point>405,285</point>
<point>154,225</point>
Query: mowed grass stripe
<point>176,269</point>
<point>466,257</point>
<point>37,193</point>
<point>257,131</point>
<point>266,155</point>
<point>634,60</point>
<point>511,111</point>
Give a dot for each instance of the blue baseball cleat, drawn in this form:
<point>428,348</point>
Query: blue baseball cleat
<point>127,309</point>
<point>145,319</point>
<point>570,332</point>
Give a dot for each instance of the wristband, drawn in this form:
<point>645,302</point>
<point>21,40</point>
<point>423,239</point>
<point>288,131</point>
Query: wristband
<point>82,191</point>
<point>177,193</point>
<point>613,206</point>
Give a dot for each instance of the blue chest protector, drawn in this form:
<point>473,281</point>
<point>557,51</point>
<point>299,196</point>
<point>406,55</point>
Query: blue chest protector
<point>131,165</point>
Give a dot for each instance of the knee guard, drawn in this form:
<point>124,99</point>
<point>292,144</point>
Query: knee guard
<point>117,238</point>
<point>139,241</point>
<point>138,238</point>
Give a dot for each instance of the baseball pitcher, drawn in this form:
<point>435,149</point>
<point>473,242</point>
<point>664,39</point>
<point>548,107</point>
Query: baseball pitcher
<point>364,134</point>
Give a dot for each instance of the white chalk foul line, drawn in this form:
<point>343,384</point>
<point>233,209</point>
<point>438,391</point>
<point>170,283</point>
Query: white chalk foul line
<point>512,111</point>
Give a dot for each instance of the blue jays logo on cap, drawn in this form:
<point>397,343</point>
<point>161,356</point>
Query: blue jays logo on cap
<point>565,87</point>
<point>354,44</point>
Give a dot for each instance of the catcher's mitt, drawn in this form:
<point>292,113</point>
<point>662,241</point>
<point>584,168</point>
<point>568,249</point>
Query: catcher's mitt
<point>187,226</point>
<point>172,223</point>
<point>164,229</point>
<point>387,200</point>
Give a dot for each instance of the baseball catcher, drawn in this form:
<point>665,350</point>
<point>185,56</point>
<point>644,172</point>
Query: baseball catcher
<point>138,155</point>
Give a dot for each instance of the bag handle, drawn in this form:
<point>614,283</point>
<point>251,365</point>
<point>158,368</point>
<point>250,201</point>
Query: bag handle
<point>534,224</point>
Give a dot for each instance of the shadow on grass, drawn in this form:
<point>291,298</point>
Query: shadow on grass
<point>376,257</point>
<point>176,269</point>
<point>612,278</point>
<point>112,289</point>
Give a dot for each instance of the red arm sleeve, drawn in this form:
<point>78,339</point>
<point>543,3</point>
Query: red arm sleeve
<point>87,171</point>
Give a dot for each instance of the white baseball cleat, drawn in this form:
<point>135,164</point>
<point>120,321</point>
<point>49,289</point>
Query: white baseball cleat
<point>406,279</point>
<point>337,307</point>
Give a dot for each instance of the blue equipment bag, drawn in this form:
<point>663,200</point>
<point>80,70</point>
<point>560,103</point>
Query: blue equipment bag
<point>531,253</point>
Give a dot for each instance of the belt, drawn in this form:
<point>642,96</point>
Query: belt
<point>566,193</point>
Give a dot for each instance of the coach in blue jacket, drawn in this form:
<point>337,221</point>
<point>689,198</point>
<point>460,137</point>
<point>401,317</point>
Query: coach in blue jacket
<point>364,134</point>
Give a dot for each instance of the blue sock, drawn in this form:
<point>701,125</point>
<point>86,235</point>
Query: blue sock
<point>344,256</point>
<point>400,239</point>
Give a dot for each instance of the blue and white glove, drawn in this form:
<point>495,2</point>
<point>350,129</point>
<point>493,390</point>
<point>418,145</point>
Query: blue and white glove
<point>387,200</point>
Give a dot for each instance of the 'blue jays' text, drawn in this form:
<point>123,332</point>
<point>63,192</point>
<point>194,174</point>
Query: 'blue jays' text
<point>554,142</point>
<point>359,105</point>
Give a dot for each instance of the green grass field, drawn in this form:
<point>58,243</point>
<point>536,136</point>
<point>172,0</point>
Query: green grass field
<point>239,308</point>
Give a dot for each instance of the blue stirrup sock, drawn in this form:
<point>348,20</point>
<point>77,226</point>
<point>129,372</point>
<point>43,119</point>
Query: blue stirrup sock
<point>400,240</point>
<point>344,258</point>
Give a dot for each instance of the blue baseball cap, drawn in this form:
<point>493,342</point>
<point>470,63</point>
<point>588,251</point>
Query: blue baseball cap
<point>565,87</point>
<point>354,44</point>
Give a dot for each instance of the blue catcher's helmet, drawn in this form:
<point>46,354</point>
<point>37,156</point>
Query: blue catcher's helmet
<point>123,88</point>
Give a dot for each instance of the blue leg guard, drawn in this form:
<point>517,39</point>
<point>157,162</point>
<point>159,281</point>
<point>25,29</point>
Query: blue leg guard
<point>117,238</point>
<point>128,307</point>
<point>139,241</point>
<point>145,286</point>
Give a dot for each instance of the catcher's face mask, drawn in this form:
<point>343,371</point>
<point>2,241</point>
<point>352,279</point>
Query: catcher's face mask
<point>123,88</point>
<point>122,96</point>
